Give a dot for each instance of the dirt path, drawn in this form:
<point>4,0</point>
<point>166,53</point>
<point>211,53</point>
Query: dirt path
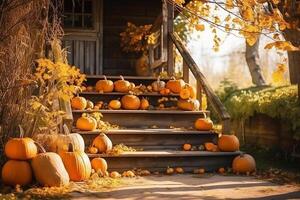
<point>190,187</point>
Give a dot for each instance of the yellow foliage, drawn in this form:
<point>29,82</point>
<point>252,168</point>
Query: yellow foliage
<point>278,75</point>
<point>282,45</point>
<point>200,27</point>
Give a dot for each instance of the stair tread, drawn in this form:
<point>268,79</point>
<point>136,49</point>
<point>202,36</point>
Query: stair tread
<point>125,77</point>
<point>144,131</point>
<point>168,153</point>
<point>121,94</point>
<point>143,111</point>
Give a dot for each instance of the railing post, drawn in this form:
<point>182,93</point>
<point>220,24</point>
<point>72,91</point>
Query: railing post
<point>170,25</point>
<point>186,72</point>
<point>226,126</point>
<point>199,94</point>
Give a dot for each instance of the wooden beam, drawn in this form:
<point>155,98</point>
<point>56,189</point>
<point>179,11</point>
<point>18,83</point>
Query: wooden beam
<point>170,25</point>
<point>186,72</point>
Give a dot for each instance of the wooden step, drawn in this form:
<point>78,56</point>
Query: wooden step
<point>147,118</point>
<point>160,160</point>
<point>154,139</point>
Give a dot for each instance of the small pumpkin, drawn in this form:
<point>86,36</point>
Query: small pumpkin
<point>78,103</point>
<point>244,163</point>
<point>99,165</point>
<point>130,102</point>
<point>221,170</point>
<point>170,171</point>
<point>102,143</point>
<point>187,92</point>
<point>144,104</point>
<point>165,91</point>
<point>122,85</point>
<point>158,85</point>
<point>228,143</point>
<point>129,174</point>
<point>187,147</point>
<point>145,172</point>
<point>16,172</point>
<point>175,85</point>
<point>89,88</point>
<point>114,104</point>
<point>188,104</point>
<point>179,170</point>
<point>93,150</point>
<point>115,174</point>
<point>89,104</point>
<point>210,147</point>
<point>104,85</point>
<point>77,164</point>
<point>203,124</point>
<point>86,123</point>
<point>132,86</point>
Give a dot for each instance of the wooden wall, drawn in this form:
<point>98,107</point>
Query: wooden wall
<point>116,14</point>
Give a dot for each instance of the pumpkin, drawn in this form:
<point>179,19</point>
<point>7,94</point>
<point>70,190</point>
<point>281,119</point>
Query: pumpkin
<point>130,102</point>
<point>228,143</point>
<point>145,172</point>
<point>201,171</point>
<point>49,170</point>
<point>115,174</point>
<point>170,170</point>
<point>175,85</point>
<point>158,85</point>
<point>20,148</point>
<point>99,164</point>
<point>128,174</point>
<point>179,170</point>
<point>221,170</point>
<point>114,104</point>
<point>77,164</point>
<point>89,88</point>
<point>132,86</point>
<point>187,92</point>
<point>243,163</point>
<point>89,104</point>
<point>189,104</point>
<point>210,147</point>
<point>104,85</point>
<point>86,123</point>
<point>187,147</point>
<point>144,104</point>
<point>102,143</point>
<point>78,103</point>
<point>15,172</point>
<point>93,150</point>
<point>165,91</point>
<point>203,124</point>
<point>122,85</point>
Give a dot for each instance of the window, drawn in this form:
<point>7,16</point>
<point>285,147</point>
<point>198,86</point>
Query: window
<point>78,14</point>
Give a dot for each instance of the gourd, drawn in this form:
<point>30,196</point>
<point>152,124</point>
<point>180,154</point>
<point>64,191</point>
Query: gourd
<point>188,105</point>
<point>114,104</point>
<point>122,85</point>
<point>211,147</point>
<point>49,170</point>
<point>102,143</point>
<point>15,172</point>
<point>187,92</point>
<point>228,143</point>
<point>77,164</point>
<point>175,85</point>
<point>86,123</point>
<point>99,164</point>
<point>187,147</point>
<point>104,85</point>
<point>203,124</point>
<point>115,174</point>
<point>78,103</point>
<point>244,163</point>
<point>89,104</point>
<point>158,85</point>
<point>165,91</point>
<point>144,104</point>
<point>130,102</point>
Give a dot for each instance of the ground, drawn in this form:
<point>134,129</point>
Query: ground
<point>189,187</point>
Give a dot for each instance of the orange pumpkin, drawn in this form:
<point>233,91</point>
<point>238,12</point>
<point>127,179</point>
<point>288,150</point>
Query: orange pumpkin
<point>16,172</point>
<point>89,88</point>
<point>99,165</point>
<point>187,92</point>
<point>210,147</point>
<point>114,104</point>
<point>115,174</point>
<point>175,85</point>
<point>170,170</point>
<point>77,164</point>
<point>228,143</point>
<point>188,104</point>
<point>203,124</point>
<point>221,170</point>
<point>86,123</point>
<point>187,147</point>
<point>78,103</point>
<point>93,150</point>
<point>179,170</point>
<point>144,104</point>
<point>104,85</point>
<point>165,91</point>
<point>122,85</point>
<point>102,143</point>
<point>130,102</point>
<point>244,163</point>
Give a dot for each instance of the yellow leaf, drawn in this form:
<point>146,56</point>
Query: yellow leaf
<point>200,27</point>
<point>282,45</point>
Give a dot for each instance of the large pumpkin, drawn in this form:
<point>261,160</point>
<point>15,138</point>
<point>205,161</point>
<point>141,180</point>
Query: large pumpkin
<point>86,123</point>
<point>16,172</point>
<point>130,102</point>
<point>187,92</point>
<point>77,164</point>
<point>104,85</point>
<point>102,143</point>
<point>78,103</point>
<point>203,124</point>
<point>122,85</point>
<point>158,85</point>
<point>175,85</point>
<point>228,143</point>
<point>189,104</point>
<point>99,164</point>
<point>49,169</point>
<point>243,163</point>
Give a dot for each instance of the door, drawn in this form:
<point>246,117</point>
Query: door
<point>83,34</point>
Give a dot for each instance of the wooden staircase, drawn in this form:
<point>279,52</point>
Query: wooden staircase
<point>158,135</point>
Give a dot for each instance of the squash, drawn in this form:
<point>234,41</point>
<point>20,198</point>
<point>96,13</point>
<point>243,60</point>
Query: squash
<point>228,143</point>
<point>130,102</point>
<point>89,88</point>
<point>129,174</point>
<point>86,123</point>
<point>49,170</point>
<point>221,170</point>
<point>203,124</point>
<point>16,172</point>
<point>122,85</point>
<point>244,163</point>
<point>78,103</point>
<point>20,148</point>
<point>175,85</point>
<point>114,104</point>
<point>77,164</point>
<point>102,143</point>
<point>89,104</point>
<point>104,85</point>
<point>158,85</point>
<point>165,91</point>
<point>211,147</point>
<point>170,171</point>
<point>144,104</point>
<point>187,92</point>
<point>93,150</point>
<point>115,174</point>
<point>99,165</point>
<point>187,147</point>
<point>179,170</point>
<point>188,105</point>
